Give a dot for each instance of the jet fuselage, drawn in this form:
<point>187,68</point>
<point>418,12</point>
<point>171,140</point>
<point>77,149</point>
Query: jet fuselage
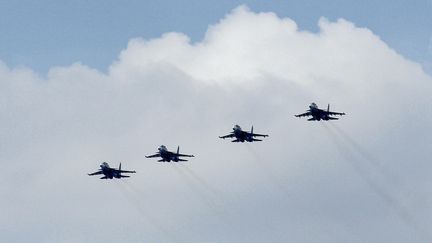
<point>240,135</point>
<point>319,114</point>
<point>108,171</point>
<point>167,155</point>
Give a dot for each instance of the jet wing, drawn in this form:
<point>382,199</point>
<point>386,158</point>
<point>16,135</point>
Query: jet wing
<point>331,113</point>
<point>126,171</point>
<point>304,114</point>
<point>259,135</point>
<point>153,156</point>
<point>231,135</point>
<point>96,173</point>
<point>184,155</point>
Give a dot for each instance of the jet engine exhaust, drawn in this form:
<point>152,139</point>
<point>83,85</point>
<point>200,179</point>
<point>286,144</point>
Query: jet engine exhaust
<point>133,197</point>
<point>201,180</point>
<point>272,178</point>
<point>209,202</point>
<point>363,153</point>
<point>401,211</point>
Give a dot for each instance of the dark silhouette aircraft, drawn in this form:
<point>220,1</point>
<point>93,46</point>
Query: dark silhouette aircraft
<point>167,156</point>
<point>110,173</point>
<point>242,136</point>
<point>319,114</point>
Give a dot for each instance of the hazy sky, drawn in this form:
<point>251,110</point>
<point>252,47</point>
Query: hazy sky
<point>49,33</point>
<point>363,178</point>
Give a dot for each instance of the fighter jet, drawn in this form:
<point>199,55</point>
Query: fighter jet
<point>319,114</point>
<point>167,156</point>
<point>242,136</point>
<point>109,172</point>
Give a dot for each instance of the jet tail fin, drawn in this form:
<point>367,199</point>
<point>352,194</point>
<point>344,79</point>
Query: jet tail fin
<point>178,149</point>
<point>120,166</point>
<point>328,108</point>
<point>252,130</point>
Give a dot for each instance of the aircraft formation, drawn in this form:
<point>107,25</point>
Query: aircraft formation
<point>238,135</point>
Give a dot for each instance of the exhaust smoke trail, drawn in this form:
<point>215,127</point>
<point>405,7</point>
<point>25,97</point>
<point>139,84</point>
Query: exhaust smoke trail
<point>209,202</point>
<point>402,212</point>
<point>366,156</point>
<point>133,198</point>
<point>201,180</point>
<point>271,177</point>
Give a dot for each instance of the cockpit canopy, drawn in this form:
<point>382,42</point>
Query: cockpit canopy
<point>237,127</point>
<point>162,147</point>
<point>313,105</point>
<point>104,164</point>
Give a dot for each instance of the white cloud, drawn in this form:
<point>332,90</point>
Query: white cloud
<point>252,69</point>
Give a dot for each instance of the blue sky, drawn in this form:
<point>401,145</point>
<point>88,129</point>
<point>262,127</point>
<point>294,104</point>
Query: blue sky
<point>42,34</point>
